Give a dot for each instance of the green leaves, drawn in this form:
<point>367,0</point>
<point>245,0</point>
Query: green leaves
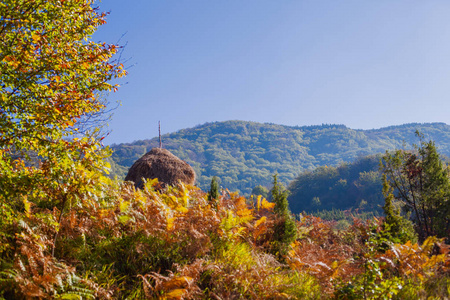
<point>51,75</point>
<point>421,185</point>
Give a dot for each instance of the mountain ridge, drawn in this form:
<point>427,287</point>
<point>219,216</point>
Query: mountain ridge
<point>244,154</point>
<point>289,126</point>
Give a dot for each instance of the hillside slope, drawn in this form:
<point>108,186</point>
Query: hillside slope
<point>245,154</point>
<point>349,186</point>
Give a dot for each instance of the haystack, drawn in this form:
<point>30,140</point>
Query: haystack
<point>160,163</point>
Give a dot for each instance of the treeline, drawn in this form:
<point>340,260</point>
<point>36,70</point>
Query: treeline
<point>355,185</point>
<point>246,154</point>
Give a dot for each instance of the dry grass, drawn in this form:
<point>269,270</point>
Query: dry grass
<point>160,163</point>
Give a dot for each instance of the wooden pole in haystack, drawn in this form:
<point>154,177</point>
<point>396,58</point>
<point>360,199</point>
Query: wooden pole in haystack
<point>160,142</point>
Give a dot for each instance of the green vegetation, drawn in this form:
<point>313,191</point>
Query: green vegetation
<point>354,185</point>
<point>342,219</point>
<point>246,154</point>
<point>260,190</point>
<point>421,184</point>
<point>213,194</point>
<point>285,231</point>
<point>398,226</point>
<point>67,231</point>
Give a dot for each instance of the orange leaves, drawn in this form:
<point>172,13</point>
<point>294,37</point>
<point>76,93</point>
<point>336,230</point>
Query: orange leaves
<point>260,227</point>
<point>36,37</point>
<point>175,286</point>
<point>414,260</point>
<point>245,214</point>
<point>35,273</point>
<point>323,253</point>
<point>178,247</point>
<point>267,205</point>
<point>46,43</point>
<point>177,283</point>
<point>262,203</point>
<point>326,262</point>
<point>49,83</point>
<point>260,221</point>
<point>11,60</point>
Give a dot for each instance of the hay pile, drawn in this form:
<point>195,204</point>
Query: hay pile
<point>160,163</point>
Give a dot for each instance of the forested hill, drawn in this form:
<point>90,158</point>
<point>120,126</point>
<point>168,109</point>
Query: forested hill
<point>245,154</point>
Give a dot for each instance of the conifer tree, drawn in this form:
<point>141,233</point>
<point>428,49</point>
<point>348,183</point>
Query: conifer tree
<point>399,228</point>
<point>213,194</point>
<point>436,190</point>
<point>420,182</point>
<point>285,229</point>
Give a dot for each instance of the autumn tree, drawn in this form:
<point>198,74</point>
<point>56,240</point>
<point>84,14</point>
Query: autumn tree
<point>51,76</point>
<point>420,182</point>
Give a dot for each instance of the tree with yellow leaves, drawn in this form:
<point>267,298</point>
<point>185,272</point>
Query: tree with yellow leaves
<point>51,74</point>
<point>50,78</point>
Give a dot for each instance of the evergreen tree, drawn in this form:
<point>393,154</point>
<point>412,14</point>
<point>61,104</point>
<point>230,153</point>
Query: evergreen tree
<point>279,197</point>
<point>213,194</point>
<point>436,191</point>
<point>285,229</point>
<point>421,183</point>
<point>398,228</point>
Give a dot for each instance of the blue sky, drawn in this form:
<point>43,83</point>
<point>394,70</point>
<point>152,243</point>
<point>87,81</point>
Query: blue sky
<point>365,64</point>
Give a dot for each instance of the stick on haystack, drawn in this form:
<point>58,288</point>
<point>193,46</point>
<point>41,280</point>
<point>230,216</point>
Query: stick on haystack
<point>159,129</point>
<point>160,163</point>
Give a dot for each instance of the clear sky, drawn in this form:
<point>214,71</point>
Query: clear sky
<point>365,64</point>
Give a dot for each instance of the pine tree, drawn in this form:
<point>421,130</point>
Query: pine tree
<point>285,230</point>
<point>213,194</point>
<point>398,228</point>
<point>436,190</point>
<point>421,183</point>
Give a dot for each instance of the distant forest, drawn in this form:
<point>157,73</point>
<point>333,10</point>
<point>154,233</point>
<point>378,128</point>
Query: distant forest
<point>246,154</point>
<point>356,186</point>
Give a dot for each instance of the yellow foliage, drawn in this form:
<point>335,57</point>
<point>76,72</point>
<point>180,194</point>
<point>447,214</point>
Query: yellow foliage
<point>262,220</point>
<point>176,294</point>
<point>170,223</point>
<point>177,283</point>
<point>245,213</point>
<point>27,205</point>
<point>149,184</point>
<point>267,205</point>
<point>281,296</point>
<point>184,193</point>
<point>181,209</point>
<point>123,205</point>
<point>260,227</point>
<point>230,228</point>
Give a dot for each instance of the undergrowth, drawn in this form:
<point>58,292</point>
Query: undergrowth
<point>172,244</point>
